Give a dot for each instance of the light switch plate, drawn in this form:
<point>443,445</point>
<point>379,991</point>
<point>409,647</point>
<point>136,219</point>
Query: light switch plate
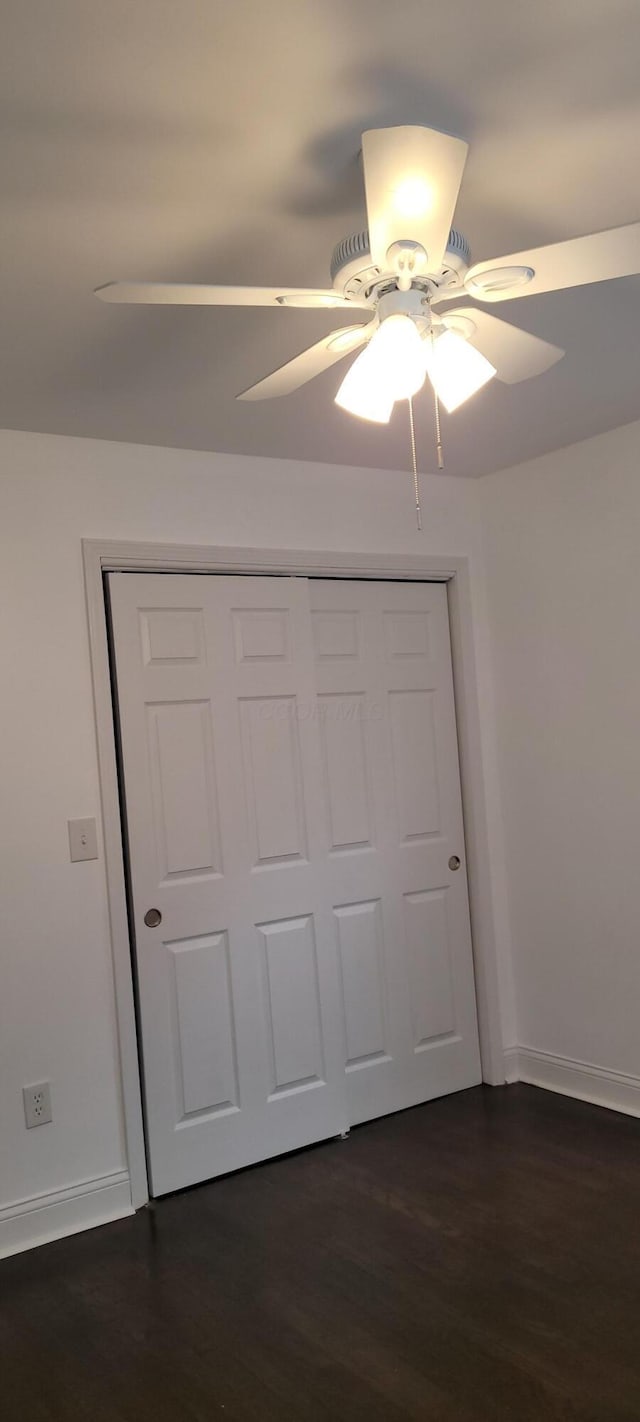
<point>83,840</point>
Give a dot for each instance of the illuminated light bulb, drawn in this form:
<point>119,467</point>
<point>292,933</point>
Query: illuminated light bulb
<point>391,368</point>
<point>364,390</point>
<point>412,198</point>
<point>455,368</point>
<point>399,351</point>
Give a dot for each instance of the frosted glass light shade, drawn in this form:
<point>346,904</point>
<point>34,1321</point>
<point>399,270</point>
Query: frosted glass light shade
<point>455,368</point>
<point>363,392</point>
<point>400,354</point>
<point>391,368</point>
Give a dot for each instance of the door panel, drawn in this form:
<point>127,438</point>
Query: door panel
<point>292,800</point>
<point>183,788</point>
<point>346,771</point>
<point>239,995</point>
<point>364,991</point>
<point>411,715</point>
<point>269,731</point>
<point>429,951</point>
<point>204,1030</point>
<point>292,1002</point>
<point>401,914</point>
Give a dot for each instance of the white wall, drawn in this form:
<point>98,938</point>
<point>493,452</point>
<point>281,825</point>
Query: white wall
<point>562,546</point>
<point>561,567</point>
<point>56,1009</point>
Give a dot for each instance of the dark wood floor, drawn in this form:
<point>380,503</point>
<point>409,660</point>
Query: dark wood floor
<point>473,1260</point>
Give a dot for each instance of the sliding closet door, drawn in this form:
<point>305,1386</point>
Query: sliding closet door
<point>395,868</point>
<point>238,983</point>
<point>296,857</point>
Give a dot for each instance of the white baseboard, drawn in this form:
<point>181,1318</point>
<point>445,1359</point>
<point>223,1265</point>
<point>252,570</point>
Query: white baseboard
<point>614,1089</point>
<point>511,1065</point>
<point>45,1217</point>
<point>42,1218</point>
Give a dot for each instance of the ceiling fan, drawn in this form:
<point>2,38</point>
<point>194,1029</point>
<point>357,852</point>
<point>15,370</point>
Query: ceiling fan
<point>395,278</point>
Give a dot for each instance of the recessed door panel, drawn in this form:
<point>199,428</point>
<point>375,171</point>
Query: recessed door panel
<point>363,987</point>
<point>429,965</point>
<point>346,774</point>
<point>184,791</point>
<point>261,634</point>
<point>292,1003</point>
<point>204,1032</point>
<point>273,778</point>
<point>170,634</point>
<point>335,634</point>
<point>407,633</point>
<point>414,763</point>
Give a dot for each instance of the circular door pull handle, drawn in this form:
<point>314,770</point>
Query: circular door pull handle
<point>152,918</point>
<point>454,862</point>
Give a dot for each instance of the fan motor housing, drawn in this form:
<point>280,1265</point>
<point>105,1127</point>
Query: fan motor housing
<point>354,274</point>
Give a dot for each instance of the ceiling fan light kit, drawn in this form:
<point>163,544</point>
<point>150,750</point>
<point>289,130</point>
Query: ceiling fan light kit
<point>395,278</point>
<point>399,356</point>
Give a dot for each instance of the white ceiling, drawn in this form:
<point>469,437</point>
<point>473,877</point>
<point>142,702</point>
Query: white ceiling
<point>192,141</point>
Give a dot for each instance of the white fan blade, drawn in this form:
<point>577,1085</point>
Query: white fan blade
<point>516,355</point>
<point>310,363</point>
<point>184,294</point>
<point>412,178</point>
<point>603,256</point>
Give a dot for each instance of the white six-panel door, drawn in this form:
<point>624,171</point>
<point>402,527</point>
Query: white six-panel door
<point>292,803</point>
<point>391,781</point>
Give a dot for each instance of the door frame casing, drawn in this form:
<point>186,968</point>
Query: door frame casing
<point>101,557</point>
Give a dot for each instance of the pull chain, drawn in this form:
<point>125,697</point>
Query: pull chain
<point>438,435</point>
<point>416,486</point>
<point>439,452</point>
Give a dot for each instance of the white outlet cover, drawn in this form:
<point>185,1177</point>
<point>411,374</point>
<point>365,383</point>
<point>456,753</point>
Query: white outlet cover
<point>37,1104</point>
<point>83,840</point>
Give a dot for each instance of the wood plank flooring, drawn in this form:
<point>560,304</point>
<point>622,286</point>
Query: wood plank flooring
<point>476,1259</point>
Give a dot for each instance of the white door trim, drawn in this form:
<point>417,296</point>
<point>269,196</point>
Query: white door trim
<point>101,557</point>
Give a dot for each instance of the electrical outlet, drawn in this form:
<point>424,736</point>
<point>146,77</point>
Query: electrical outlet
<point>37,1104</point>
